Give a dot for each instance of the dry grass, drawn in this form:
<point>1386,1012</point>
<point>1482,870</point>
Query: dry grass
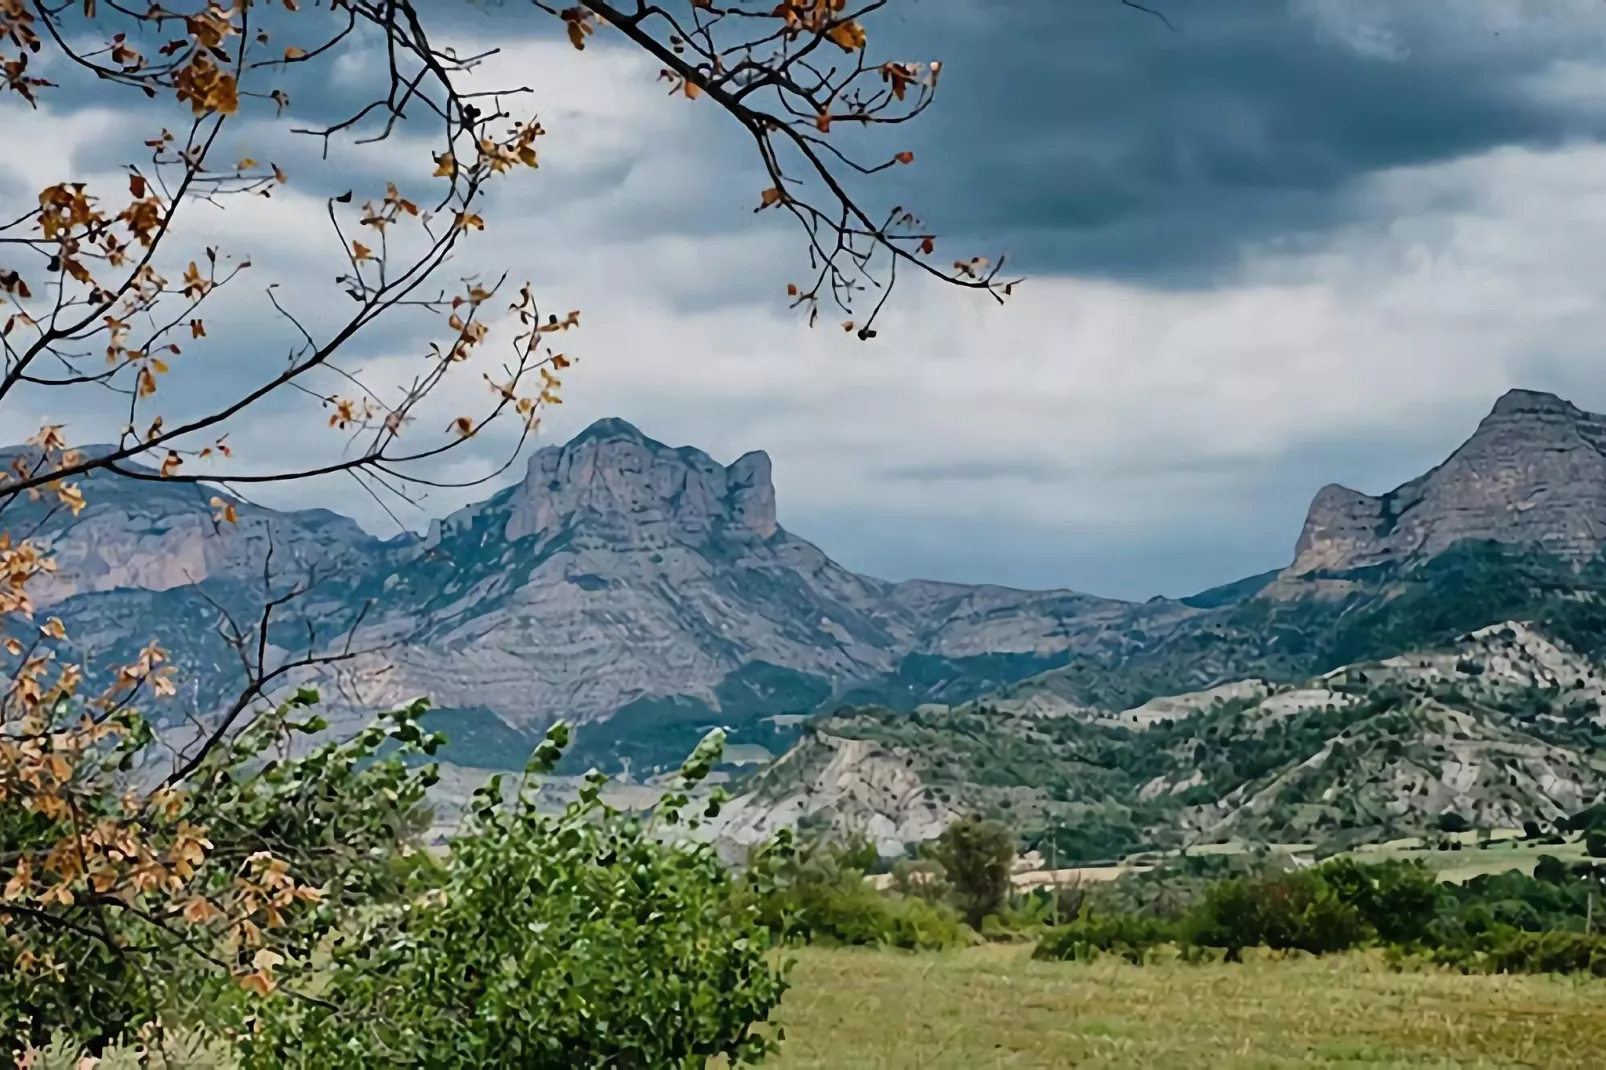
<point>994,1007</point>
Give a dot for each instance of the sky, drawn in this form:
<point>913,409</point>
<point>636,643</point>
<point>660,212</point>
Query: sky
<point>1268,245</point>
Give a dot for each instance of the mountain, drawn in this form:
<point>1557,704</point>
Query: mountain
<point>647,592</point>
<point>1372,684</point>
<point>620,581</point>
<point>1533,474</point>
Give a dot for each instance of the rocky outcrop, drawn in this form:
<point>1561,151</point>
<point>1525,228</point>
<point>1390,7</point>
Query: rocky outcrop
<point>1533,473</point>
<point>156,537</point>
<point>855,787</point>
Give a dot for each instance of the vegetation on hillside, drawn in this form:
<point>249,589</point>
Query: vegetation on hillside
<point>1502,726</point>
<point>1505,923</point>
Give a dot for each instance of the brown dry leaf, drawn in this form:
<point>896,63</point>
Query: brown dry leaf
<point>848,36</point>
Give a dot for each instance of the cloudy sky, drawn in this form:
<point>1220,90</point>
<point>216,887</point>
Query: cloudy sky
<point>1270,244</point>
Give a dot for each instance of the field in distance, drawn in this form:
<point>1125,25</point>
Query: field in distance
<point>993,1006</point>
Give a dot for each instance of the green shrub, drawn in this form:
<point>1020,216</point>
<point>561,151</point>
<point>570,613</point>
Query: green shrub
<point>1516,951</point>
<point>332,830</point>
<point>1595,843</point>
<point>1505,922</point>
<point>174,1051</point>
<point>575,939</point>
<point>1286,911</point>
<point>977,855</point>
<point>819,896</point>
<point>1130,936</point>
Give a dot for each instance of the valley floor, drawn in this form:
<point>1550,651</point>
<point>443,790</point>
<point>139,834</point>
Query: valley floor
<point>995,1007</point>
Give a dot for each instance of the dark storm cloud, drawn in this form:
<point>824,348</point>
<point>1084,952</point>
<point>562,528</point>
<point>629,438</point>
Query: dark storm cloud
<point>1090,138</point>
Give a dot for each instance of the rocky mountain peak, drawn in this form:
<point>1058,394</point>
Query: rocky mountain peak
<point>1516,402</point>
<point>1533,473</point>
<point>616,483</point>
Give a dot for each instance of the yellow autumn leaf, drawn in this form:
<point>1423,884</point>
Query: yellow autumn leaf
<point>848,36</point>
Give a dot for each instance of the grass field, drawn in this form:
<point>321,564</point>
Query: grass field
<point>994,1007</point>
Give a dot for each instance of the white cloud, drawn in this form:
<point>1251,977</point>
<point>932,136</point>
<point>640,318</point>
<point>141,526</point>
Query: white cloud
<point>1091,415</point>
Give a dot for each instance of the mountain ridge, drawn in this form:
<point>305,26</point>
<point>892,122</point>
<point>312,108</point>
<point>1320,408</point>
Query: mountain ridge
<point>626,583</point>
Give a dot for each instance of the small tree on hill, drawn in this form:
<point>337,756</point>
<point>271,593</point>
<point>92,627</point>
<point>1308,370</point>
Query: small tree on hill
<point>977,856</point>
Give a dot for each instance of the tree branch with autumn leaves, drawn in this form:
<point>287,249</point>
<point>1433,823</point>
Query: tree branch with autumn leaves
<point>106,290</point>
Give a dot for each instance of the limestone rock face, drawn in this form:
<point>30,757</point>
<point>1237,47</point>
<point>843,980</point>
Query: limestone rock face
<point>620,568</point>
<point>158,537</point>
<point>633,493</point>
<point>1533,473</point>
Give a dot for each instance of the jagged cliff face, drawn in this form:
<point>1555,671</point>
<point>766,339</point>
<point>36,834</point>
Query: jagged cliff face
<point>621,568</point>
<point>1534,473</point>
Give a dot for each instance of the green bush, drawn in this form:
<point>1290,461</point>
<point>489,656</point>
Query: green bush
<point>332,830</point>
<point>820,896</point>
<point>575,939</point>
<point>1516,951</point>
<point>588,937</point>
<point>1503,923</point>
<point>1130,936</point>
<point>1287,911</point>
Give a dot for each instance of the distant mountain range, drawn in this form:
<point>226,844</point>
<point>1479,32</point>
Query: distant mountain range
<point>646,592</point>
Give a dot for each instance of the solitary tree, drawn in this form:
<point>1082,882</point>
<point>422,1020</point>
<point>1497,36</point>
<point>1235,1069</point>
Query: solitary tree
<point>113,290</point>
<point>977,855</point>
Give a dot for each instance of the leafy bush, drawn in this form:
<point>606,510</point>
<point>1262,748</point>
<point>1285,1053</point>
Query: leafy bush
<point>820,896</point>
<point>1516,951</point>
<point>248,863</point>
<point>1501,923</point>
<point>1288,911</point>
<point>172,1051</point>
<point>1396,901</point>
<point>1130,936</point>
<point>300,923</point>
<point>545,941</point>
